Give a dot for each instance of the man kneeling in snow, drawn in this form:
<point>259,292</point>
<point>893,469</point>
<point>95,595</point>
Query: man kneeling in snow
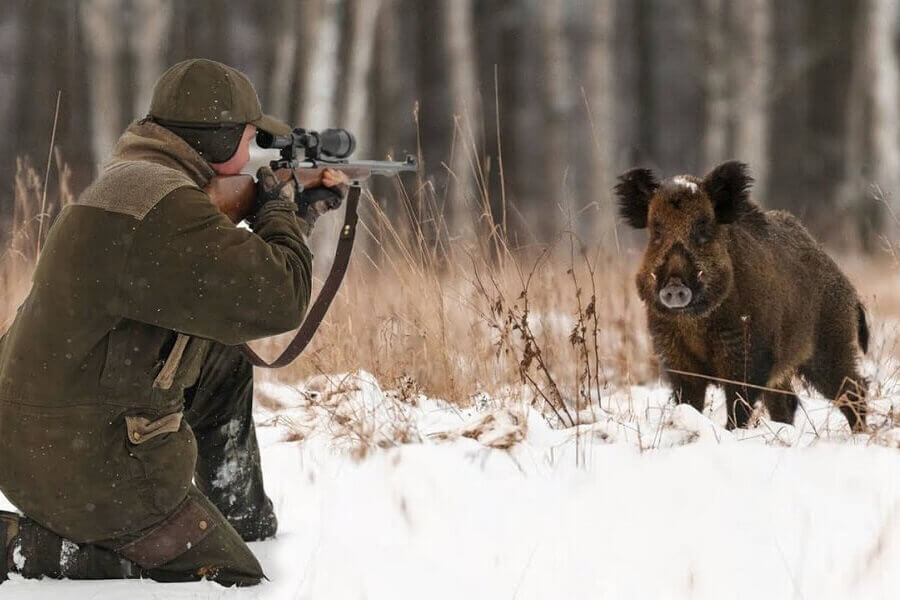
<point>126,434</point>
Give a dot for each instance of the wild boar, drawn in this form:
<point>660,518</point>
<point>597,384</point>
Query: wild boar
<point>736,295</point>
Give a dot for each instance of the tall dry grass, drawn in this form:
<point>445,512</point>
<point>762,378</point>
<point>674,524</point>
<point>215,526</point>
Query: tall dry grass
<point>426,309</point>
<point>34,209</point>
<point>460,318</point>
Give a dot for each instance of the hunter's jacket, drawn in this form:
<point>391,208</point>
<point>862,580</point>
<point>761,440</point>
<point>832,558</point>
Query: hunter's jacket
<point>133,281</point>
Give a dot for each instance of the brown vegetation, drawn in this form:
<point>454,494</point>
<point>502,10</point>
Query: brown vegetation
<point>456,316</point>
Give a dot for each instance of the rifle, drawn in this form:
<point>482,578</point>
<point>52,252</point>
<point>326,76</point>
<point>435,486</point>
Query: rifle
<point>235,195</point>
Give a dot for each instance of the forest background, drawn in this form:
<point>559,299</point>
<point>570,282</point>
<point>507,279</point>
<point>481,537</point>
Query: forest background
<point>570,92</point>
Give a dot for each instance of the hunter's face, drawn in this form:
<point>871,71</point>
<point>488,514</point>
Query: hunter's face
<point>241,157</point>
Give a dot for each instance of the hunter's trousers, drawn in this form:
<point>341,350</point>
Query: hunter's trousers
<point>205,535</point>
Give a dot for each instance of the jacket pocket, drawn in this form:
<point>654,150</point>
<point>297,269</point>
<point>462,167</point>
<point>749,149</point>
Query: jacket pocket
<point>166,452</point>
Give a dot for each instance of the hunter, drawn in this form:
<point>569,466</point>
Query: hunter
<point>126,429</point>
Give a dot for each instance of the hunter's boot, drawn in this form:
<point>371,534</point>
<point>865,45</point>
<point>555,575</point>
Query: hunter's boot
<point>9,529</point>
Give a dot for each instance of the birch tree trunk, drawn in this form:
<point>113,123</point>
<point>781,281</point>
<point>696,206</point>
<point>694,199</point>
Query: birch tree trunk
<point>555,85</point>
<point>150,28</point>
<point>885,125</point>
<point>527,186</point>
<point>461,69</point>
<point>284,55</point>
<point>752,86</point>
<point>12,46</point>
<point>322,70</point>
<point>857,141</point>
<point>394,97</point>
<point>308,15</point>
<point>872,156</point>
<point>715,84</point>
<point>103,34</point>
<point>600,100</point>
<point>356,118</point>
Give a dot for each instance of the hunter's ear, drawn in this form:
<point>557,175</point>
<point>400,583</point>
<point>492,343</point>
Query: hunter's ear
<point>635,188</point>
<point>728,187</point>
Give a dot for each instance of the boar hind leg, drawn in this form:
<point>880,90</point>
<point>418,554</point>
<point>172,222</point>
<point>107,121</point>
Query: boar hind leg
<point>837,379</point>
<point>689,390</point>
<point>782,407</point>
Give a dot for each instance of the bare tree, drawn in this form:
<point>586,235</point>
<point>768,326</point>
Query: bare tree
<point>716,84</point>
<point>104,34</point>
<point>752,68</point>
<point>885,92</point>
<point>149,29</point>
<point>872,155</point>
<point>558,99</point>
<point>461,69</point>
<point>284,54</point>
<point>600,99</point>
<point>351,112</point>
<point>355,117</point>
<point>12,46</point>
<point>322,69</point>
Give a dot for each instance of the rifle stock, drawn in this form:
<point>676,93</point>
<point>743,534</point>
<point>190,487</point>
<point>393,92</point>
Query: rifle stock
<point>235,195</point>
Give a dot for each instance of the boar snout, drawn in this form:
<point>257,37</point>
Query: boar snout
<point>675,294</point>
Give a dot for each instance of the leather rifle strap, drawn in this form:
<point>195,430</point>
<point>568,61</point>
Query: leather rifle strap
<point>326,295</point>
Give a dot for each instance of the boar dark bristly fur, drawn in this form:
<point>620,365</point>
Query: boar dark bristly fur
<point>741,294</point>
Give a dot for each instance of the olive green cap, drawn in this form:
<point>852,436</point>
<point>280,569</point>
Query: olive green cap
<point>200,92</point>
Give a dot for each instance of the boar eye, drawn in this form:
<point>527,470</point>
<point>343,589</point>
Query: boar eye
<point>703,232</point>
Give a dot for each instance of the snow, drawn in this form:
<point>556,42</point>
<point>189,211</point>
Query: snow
<point>67,553</point>
<point>683,181</point>
<point>392,495</point>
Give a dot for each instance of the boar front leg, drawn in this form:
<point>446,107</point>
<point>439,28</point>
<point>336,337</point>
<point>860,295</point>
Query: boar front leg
<point>739,400</point>
<point>782,407</point>
<point>748,366</point>
<point>689,390</point>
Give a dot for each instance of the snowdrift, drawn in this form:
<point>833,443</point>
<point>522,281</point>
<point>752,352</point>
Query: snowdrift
<point>394,495</point>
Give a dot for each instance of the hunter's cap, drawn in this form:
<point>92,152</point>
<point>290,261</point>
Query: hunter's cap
<point>200,92</point>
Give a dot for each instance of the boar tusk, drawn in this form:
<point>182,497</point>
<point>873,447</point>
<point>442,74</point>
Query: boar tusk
<point>699,274</point>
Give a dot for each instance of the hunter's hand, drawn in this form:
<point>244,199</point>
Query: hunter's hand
<point>271,191</point>
<point>316,201</point>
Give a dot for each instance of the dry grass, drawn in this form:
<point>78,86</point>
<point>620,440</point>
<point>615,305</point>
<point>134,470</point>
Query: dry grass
<point>28,229</point>
<point>458,317</point>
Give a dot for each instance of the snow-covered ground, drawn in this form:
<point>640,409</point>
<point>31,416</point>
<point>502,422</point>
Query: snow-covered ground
<point>386,495</point>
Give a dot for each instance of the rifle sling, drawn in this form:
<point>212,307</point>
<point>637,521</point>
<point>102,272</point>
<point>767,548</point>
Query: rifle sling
<point>326,294</point>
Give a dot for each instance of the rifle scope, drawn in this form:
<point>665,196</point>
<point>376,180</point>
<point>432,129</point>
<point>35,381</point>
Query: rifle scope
<point>332,143</point>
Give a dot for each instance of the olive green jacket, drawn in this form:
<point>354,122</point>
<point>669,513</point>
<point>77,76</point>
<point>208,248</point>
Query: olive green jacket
<point>133,281</point>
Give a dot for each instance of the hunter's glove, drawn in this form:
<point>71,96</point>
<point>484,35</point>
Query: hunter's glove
<point>315,202</point>
<point>273,194</point>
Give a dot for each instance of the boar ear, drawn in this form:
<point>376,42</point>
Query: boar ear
<point>634,190</point>
<point>728,187</point>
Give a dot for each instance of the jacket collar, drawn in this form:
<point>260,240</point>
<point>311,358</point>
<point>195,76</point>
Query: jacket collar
<point>145,140</point>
